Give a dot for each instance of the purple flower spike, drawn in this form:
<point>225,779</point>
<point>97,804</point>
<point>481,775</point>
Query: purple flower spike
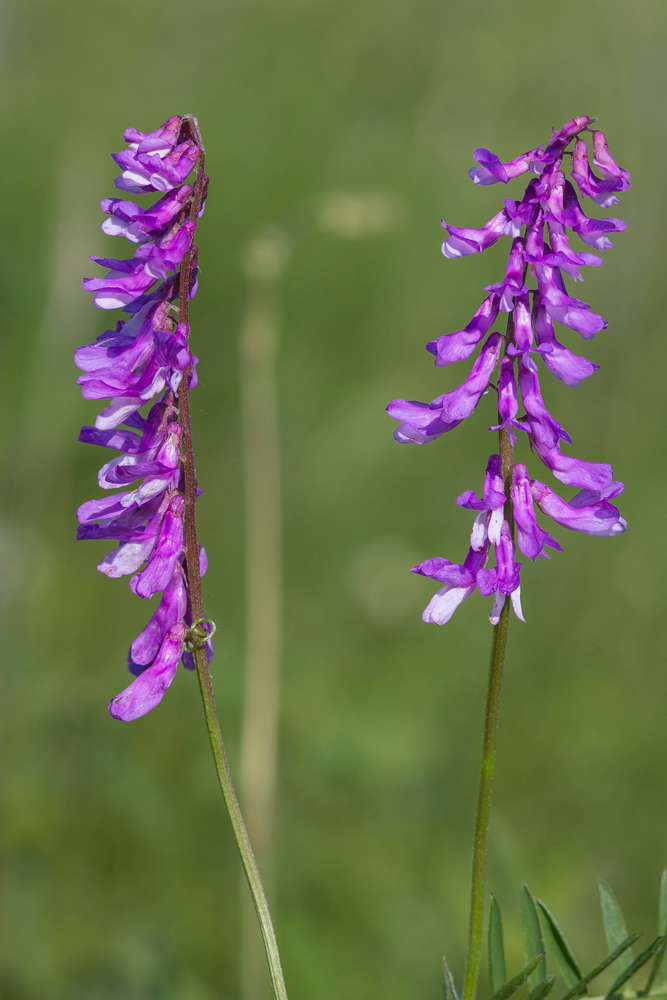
<point>549,202</point>
<point>462,242</point>
<point>144,361</point>
<point>147,691</point>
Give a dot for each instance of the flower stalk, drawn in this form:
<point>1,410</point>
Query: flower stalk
<point>148,356</point>
<point>505,518</point>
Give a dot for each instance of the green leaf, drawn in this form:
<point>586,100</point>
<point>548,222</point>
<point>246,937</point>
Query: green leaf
<point>565,961</point>
<point>580,987</point>
<point>542,989</point>
<point>614,925</point>
<point>634,966</point>
<point>532,935</point>
<point>510,987</point>
<point>497,968</point>
<point>451,992</point>
<point>660,954</point>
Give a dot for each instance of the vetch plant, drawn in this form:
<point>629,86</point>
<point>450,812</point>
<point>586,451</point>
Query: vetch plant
<point>539,226</point>
<point>146,362</point>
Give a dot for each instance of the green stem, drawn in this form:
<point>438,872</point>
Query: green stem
<point>242,841</point>
<point>498,647</point>
<point>474,955</point>
<point>196,604</point>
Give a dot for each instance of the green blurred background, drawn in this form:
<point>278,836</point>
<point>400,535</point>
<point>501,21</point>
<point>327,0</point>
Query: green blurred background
<point>119,872</point>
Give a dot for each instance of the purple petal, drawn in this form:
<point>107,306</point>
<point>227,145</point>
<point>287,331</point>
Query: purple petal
<point>171,609</point>
<point>460,403</point>
<point>531,537</point>
<point>148,689</point>
<point>600,518</point>
<point>452,347</point>
<point>162,563</point>
<point>462,242</point>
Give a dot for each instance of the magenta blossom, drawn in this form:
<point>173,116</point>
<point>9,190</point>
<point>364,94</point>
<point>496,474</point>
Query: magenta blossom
<point>534,293</point>
<point>143,362</point>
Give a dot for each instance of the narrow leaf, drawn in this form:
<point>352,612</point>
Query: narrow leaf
<point>565,961</point>
<point>451,992</point>
<point>542,989</point>
<point>634,966</point>
<point>510,987</point>
<point>657,964</point>
<point>497,968</point>
<point>660,976</point>
<point>532,935</point>
<point>614,925</point>
<point>580,987</point>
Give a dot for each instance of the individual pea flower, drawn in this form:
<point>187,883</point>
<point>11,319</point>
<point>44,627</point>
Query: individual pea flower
<point>146,361</point>
<point>540,259</point>
<point>462,579</point>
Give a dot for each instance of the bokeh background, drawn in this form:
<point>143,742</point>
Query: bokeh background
<point>348,124</point>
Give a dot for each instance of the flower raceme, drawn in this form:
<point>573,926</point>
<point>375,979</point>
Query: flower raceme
<point>540,226</point>
<point>146,361</point>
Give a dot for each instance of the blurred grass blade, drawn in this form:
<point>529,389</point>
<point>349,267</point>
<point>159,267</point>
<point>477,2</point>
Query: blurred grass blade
<point>634,966</point>
<point>451,992</point>
<point>657,965</point>
<point>542,989</point>
<point>580,987</point>
<point>532,935</point>
<point>510,987</point>
<point>497,968</point>
<point>660,970</point>
<point>565,961</point>
<point>614,925</point>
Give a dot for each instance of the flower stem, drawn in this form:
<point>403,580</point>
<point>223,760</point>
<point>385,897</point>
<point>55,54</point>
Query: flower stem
<point>498,646</point>
<point>474,955</point>
<point>196,602</point>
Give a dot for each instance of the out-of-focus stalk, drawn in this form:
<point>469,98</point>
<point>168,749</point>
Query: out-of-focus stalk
<point>264,262</point>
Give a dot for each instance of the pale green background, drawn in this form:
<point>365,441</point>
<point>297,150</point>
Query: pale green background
<point>119,873</point>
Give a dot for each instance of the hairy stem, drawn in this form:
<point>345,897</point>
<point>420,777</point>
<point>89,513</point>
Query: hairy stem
<point>197,606</point>
<point>498,646</point>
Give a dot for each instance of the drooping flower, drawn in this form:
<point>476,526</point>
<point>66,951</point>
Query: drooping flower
<point>144,361</point>
<point>538,225</point>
